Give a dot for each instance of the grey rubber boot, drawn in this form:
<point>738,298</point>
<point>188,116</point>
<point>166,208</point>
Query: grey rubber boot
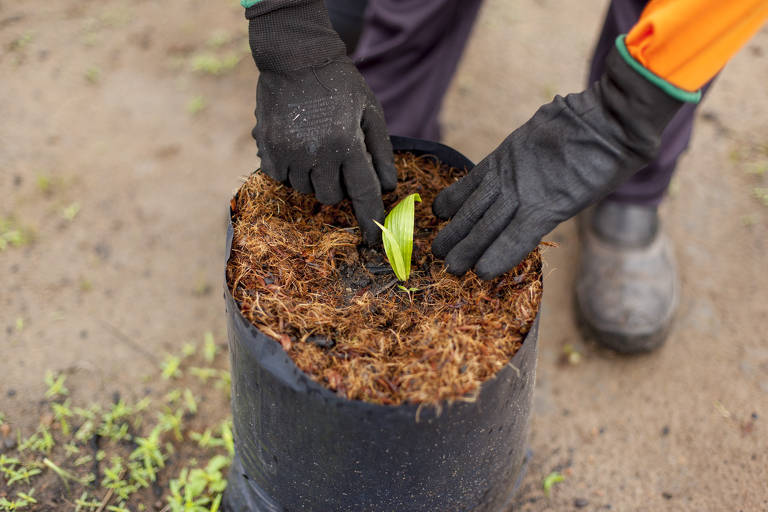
<point>627,286</point>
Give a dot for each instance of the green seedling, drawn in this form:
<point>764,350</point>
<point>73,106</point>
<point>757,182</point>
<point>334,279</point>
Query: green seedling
<point>85,459</point>
<point>21,503</point>
<point>82,503</point>
<point>172,396</point>
<point>41,441</point>
<point>749,220</point>
<point>209,347</point>
<point>65,475</point>
<point>224,382</point>
<point>190,402</point>
<point>170,367</point>
<point>196,105</point>
<point>44,183</point>
<point>61,412</point>
<point>70,211</point>
<point>71,449</point>
<point>203,373</point>
<point>21,42</point>
<point>213,64</point>
<point>571,354</point>
<point>12,234</point>
<point>199,489</point>
<point>218,39</point>
<point>149,453</point>
<point>55,385</point>
<point>92,75</point>
<point>757,168</point>
<point>409,291</point>
<point>14,475</point>
<point>551,479</point>
<point>188,349</point>
<point>761,193</point>
<point>397,235</point>
<point>171,422</point>
<point>86,285</point>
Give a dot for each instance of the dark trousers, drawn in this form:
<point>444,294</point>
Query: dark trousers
<point>408,52</point>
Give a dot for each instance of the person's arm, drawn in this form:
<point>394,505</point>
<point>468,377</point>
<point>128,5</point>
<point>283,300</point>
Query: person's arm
<point>577,149</point>
<point>687,42</point>
<point>319,127</point>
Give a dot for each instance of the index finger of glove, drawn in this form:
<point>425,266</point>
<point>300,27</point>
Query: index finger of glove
<point>464,255</point>
<point>470,212</point>
<point>450,199</point>
<point>512,246</point>
<point>379,146</point>
<point>364,190</point>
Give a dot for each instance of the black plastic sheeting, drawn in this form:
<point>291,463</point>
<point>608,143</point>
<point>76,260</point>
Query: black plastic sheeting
<point>300,447</point>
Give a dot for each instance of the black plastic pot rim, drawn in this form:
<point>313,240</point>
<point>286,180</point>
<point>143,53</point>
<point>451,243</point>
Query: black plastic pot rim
<point>283,366</point>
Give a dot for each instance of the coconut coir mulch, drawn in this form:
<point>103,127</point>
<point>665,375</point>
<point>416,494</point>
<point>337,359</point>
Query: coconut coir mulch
<point>300,276</point>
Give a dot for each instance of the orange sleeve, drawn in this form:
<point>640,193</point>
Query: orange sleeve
<point>686,42</point>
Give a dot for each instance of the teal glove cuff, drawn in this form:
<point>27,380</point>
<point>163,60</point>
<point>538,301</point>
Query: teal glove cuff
<point>672,90</point>
<point>248,3</point>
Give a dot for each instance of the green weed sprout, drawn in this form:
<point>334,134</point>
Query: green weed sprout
<point>550,480</point>
<point>397,235</point>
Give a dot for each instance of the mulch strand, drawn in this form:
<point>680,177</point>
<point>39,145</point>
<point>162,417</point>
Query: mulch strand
<point>300,275</point>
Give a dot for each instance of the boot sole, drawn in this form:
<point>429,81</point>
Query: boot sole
<point>617,342</point>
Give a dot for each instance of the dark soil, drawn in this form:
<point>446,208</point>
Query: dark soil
<point>301,275</point>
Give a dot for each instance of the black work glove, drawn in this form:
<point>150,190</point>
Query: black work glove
<point>319,127</point>
<point>572,152</point>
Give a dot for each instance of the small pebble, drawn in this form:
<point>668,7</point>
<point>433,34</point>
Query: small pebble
<point>580,502</point>
<point>9,443</point>
<point>665,430</point>
<point>11,393</point>
<point>666,496</point>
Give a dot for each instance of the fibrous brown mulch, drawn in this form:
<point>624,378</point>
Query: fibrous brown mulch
<point>299,275</point>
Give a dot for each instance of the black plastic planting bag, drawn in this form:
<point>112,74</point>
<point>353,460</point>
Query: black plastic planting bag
<point>301,447</point>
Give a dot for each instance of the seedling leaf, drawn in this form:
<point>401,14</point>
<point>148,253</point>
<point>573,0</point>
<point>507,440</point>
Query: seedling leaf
<point>397,235</point>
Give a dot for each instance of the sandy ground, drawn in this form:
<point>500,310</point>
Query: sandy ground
<point>102,100</point>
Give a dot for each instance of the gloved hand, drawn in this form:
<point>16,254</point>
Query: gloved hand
<point>319,127</point>
<point>572,152</point>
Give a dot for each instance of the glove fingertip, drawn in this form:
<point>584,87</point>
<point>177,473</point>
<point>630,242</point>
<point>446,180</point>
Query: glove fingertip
<point>457,264</point>
<point>486,270</point>
<point>442,245</point>
<point>442,207</point>
<point>387,176</point>
<point>371,233</point>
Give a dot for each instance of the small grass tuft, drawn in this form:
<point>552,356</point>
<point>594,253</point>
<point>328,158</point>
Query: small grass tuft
<point>92,75</point>
<point>211,64</point>
<point>550,480</point>
<point>70,211</point>
<point>12,234</point>
<point>196,104</point>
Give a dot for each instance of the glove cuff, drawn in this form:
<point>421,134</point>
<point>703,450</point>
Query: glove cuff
<point>669,88</point>
<point>286,35</point>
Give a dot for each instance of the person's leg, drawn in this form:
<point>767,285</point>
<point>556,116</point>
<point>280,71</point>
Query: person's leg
<point>408,52</point>
<point>347,19</point>
<point>627,284</point>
